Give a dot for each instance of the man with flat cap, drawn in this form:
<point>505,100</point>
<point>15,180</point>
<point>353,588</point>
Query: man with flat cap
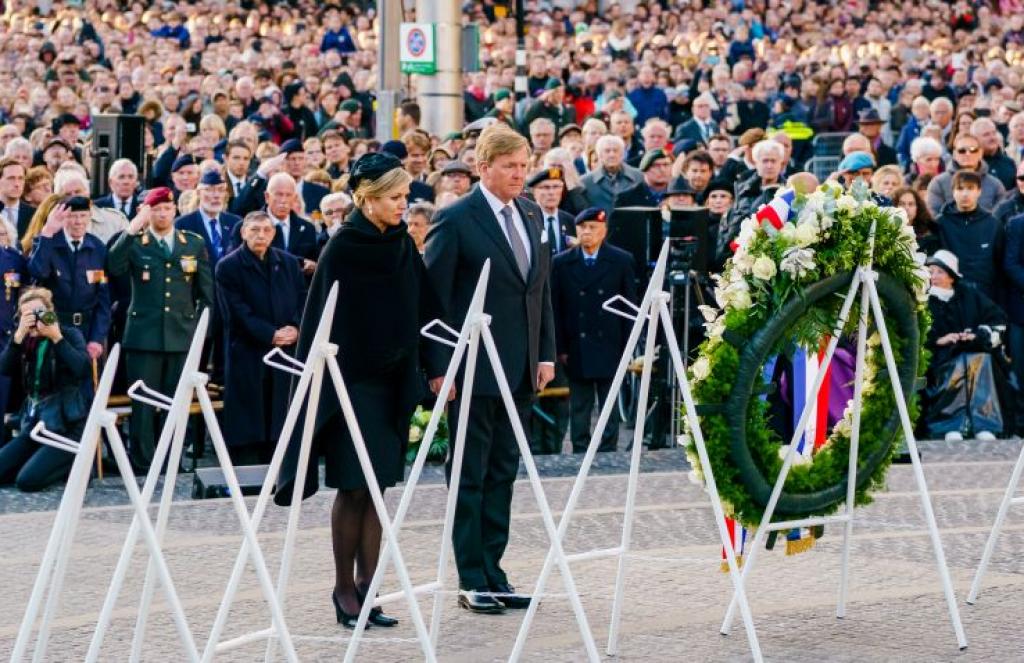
<point>214,225</point>
<point>171,284</point>
<point>656,165</point>
<point>456,177</point>
<point>70,263</point>
<point>590,340</point>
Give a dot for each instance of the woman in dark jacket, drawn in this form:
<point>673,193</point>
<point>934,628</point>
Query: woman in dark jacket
<point>383,301</point>
<point>51,363</point>
<point>911,202</point>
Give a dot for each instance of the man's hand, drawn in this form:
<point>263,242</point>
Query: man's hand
<point>308,266</point>
<point>545,374</point>
<point>55,221</point>
<point>948,339</point>
<point>94,349</point>
<point>285,336</point>
<point>141,220</point>
<point>271,166</point>
<point>25,325</point>
<point>435,387</point>
<point>51,332</point>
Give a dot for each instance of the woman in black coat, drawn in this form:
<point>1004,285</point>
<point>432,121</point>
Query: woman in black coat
<point>261,291</point>
<point>384,298</point>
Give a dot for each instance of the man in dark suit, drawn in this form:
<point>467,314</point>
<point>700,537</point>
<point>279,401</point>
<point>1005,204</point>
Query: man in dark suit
<point>12,187</point>
<point>214,225</point>
<point>71,263</point>
<point>292,160</point>
<point>260,292</point>
<point>493,223</point>
<point>590,340</point>
<point>657,169</point>
<point>124,183</point>
<point>419,191</point>
<point>293,234</point>
<point>702,125</point>
<point>548,189</point>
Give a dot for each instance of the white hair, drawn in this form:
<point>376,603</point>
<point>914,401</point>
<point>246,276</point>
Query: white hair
<point>282,177</point>
<point>542,122</point>
<point>65,176</point>
<point>337,196</point>
<point>763,147</point>
<point>16,144</point>
<point>610,139</point>
<point>924,146</point>
<point>122,164</point>
<point>941,101</point>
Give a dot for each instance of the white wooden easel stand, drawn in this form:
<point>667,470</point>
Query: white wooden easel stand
<point>997,526</point>
<point>653,308</point>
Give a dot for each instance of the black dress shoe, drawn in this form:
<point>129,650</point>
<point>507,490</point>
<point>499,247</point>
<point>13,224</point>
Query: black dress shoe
<point>479,600</point>
<point>377,616</point>
<point>345,619</point>
<point>507,596</point>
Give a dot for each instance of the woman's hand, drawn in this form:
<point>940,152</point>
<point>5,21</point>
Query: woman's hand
<point>25,325</point>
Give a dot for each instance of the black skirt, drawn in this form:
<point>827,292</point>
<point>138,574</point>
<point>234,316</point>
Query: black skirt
<point>383,411</point>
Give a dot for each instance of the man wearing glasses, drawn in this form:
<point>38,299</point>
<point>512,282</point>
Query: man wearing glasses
<point>334,207</point>
<point>967,156</point>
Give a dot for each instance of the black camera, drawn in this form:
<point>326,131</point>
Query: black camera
<point>44,317</point>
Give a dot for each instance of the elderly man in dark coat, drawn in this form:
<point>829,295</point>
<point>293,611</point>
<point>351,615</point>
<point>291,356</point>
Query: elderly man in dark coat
<point>589,339</point>
<point>260,291</point>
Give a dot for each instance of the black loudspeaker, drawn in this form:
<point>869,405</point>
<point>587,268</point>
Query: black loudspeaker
<point>116,137</point>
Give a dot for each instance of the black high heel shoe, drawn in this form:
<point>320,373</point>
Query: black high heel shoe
<point>377,616</point>
<point>345,619</point>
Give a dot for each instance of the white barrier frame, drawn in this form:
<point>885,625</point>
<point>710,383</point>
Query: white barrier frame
<point>58,549</point>
<point>997,527</point>
<point>864,281</point>
<point>170,447</point>
<point>653,308</point>
<point>475,328</point>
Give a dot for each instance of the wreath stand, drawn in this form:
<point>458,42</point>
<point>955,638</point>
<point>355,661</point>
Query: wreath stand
<point>169,450</point>
<point>652,309</point>
<point>864,281</point>
<point>323,355</point>
<point>58,548</point>
<point>997,526</point>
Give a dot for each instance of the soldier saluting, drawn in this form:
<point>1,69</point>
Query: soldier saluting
<point>171,283</point>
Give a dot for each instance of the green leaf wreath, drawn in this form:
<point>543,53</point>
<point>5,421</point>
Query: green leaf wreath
<point>418,428</point>
<point>769,275</point>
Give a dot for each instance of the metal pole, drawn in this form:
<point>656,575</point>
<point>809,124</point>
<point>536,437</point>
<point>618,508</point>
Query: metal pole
<point>440,95</point>
<point>389,75</point>
<point>522,87</point>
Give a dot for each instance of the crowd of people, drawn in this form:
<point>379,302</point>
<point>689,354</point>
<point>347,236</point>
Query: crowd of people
<point>264,182</point>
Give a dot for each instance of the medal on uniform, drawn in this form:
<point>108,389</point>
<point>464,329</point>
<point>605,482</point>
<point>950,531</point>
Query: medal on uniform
<point>145,274</point>
<point>94,276</point>
<point>12,280</point>
<point>189,264</point>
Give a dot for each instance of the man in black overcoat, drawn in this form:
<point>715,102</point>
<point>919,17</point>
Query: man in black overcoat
<point>260,291</point>
<point>590,340</point>
<point>494,223</point>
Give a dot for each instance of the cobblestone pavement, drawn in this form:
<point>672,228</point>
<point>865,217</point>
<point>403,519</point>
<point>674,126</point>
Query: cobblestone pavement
<point>674,600</point>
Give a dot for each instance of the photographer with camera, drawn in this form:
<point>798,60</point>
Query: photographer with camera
<point>51,361</point>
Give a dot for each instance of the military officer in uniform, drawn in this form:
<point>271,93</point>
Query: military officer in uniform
<point>171,284</point>
<point>589,339</point>
<point>70,263</point>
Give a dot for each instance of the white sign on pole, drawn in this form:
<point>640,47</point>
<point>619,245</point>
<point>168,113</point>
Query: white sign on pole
<point>418,54</point>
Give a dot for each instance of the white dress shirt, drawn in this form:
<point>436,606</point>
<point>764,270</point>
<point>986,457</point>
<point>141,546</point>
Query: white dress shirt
<point>517,221</point>
<point>284,228</point>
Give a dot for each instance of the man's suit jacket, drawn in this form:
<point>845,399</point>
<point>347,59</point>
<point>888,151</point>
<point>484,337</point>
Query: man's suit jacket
<point>566,229</point>
<point>303,241</point>
<point>107,201</point>
<point>601,190</point>
<point>226,223</point>
<point>253,196</point>
<point>638,195</point>
<point>592,338</point>
<point>462,237</point>
<point>691,129</point>
<point>25,214</point>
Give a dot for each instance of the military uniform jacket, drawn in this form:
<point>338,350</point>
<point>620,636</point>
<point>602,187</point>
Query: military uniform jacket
<point>168,292</point>
<point>592,338</point>
<point>81,294</point>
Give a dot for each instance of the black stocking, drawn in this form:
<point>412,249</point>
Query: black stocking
<point>369,546</point>
<point>346,531</point>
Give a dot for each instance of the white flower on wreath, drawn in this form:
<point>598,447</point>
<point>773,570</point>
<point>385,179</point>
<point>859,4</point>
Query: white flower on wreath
<point>701,368</point>
<point>716,328</point>
<point>764,268</point>
<point>815,202</point>
<point>806,234</point>
<point>797,262</point>
<point>900,215</point>
<point>415,433</point>
<point>788,232</point>
<point>742,261</point>
<point>735,295</point>
<point>831,188</point>
<point>709,313</point>
<point>846,203</point>
<point>807,217</point>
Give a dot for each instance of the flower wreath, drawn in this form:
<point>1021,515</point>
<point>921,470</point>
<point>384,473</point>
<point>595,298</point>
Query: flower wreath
<point>783,289</point>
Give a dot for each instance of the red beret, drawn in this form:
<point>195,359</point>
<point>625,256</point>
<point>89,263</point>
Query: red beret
<point>159,195</point>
